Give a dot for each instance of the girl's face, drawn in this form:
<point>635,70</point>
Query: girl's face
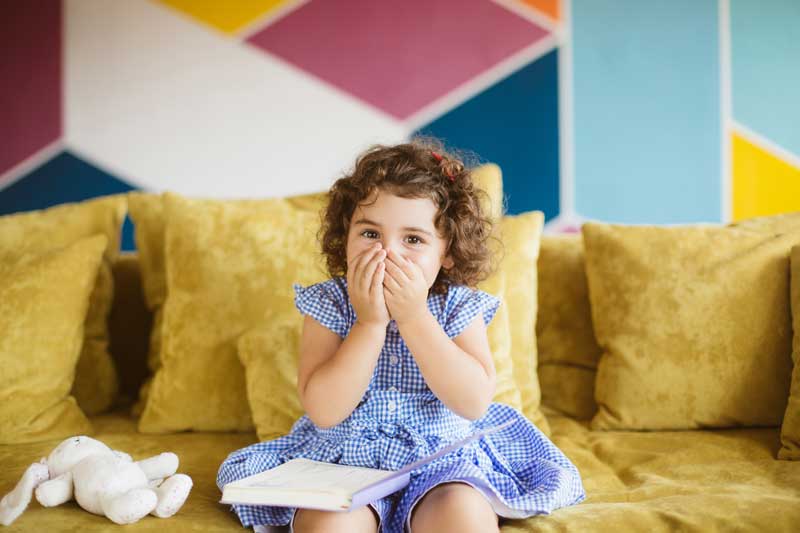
<point>404,225</point>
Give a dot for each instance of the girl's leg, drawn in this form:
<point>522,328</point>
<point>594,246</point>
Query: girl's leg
<point>453,507</point>
<point>363,520</point>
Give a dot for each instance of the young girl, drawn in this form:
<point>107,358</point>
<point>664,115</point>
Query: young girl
<point>395,362</point>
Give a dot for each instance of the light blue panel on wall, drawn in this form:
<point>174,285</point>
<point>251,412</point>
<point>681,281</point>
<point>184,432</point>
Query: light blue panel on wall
<point>765,69</point>
<point>647,110</point>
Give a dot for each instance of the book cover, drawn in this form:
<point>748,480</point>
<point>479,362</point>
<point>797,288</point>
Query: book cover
<point>312,484</point>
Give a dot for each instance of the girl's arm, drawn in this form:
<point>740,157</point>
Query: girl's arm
<point>334,373</point>
<point>460,372</point>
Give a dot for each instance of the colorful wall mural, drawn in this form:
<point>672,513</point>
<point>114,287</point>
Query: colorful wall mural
<point>618,110</point>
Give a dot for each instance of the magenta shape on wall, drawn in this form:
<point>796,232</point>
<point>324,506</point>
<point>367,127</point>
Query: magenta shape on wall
<point>398,56</point>
<point>30,70</point>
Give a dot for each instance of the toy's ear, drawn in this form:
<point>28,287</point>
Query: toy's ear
<point>15,502</point>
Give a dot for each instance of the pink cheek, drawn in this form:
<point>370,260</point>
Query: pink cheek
<point>354,249</point>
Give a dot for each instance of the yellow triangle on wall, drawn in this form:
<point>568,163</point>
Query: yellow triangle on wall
<point>226,16</point>
<point>763,184</point>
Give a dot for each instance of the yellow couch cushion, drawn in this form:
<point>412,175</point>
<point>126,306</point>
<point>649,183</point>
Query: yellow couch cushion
<point>269,356</point>
<point>790,429</point>
<point>227,263</point>
<point>568,350</point>
<point>520,236</point>
<point>709,480</point>
<point>787,223</point>
<point>694,324</point>
<point>96,381</point>
<point>44,298</point>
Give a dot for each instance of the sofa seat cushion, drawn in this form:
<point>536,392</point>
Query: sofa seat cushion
<point>200,455</point>
<point>712,480</point>
<point>661,481</point>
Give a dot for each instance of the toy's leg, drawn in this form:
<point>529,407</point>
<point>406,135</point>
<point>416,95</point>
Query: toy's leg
<point>14,503</point>
<point>56,491</point>
<point>171,495</point>
<point>129,507</point>
<point>159,466</point>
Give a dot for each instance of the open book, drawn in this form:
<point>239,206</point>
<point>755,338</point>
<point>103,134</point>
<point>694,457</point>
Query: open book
<point>331,487</point>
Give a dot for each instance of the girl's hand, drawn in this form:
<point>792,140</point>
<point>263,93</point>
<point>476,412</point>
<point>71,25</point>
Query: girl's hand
<point>365,286</point>
<point>406,291</point>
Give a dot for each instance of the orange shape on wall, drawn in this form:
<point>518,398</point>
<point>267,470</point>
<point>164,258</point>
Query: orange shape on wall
<point>551,8</point>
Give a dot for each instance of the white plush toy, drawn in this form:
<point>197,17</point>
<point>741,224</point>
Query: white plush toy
<point>103,481</point>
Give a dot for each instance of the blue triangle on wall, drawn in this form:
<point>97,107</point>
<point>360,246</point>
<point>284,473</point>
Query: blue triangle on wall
<point>514,123</point>
<point>64,178</point>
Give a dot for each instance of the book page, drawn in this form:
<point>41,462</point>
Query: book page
<point>305,474</point>
<point>315,476</point>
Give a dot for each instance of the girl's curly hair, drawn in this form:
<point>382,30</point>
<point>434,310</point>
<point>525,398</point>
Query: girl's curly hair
<point>420,168</point>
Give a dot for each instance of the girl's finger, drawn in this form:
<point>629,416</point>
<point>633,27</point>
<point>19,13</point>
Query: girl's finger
<point>377,278</point>
<point>391,283</point>
<point>369,270</point>
<point>402,263</point>
<point>393,270</point>
<point>361,261</point>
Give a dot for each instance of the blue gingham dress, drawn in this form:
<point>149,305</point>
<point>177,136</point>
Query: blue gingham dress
<point>399,420</point>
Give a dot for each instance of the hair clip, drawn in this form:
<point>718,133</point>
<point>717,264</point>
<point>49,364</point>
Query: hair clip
<point>439,158</point>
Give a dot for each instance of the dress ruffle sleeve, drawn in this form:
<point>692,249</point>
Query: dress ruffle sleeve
<point>465,305</point>
<point>325,303</point>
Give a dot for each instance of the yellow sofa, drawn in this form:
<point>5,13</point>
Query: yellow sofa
<point>717,480</point>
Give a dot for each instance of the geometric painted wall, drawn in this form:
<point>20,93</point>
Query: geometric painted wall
<point>617,110</point>
<point>763,127</point>
<point>647,110</point>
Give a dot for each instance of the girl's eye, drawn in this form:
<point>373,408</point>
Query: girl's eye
<point>413,239</point>
<point>369,234</point>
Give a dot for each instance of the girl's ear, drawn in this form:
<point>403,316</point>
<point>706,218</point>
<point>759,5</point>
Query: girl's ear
<point>447,263</point>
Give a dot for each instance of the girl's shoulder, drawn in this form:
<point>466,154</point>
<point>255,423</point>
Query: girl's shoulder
<point>327,302</point>
<point>335,288</point>
<point>461,304</point>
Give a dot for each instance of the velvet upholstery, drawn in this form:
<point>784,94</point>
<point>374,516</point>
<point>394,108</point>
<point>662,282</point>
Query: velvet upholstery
<point>520,236</point>
<point>227,264</point>
<point>694,323</point>
<point>695,481</point>
<point>95,386</point>
<point>787,223</point>
<point>44,298</point>
<point>790,428</point>
<point>568,350</point>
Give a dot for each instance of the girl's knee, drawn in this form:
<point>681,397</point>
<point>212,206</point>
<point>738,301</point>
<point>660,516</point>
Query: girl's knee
<point>312,521</point>
<point>453,507</point>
